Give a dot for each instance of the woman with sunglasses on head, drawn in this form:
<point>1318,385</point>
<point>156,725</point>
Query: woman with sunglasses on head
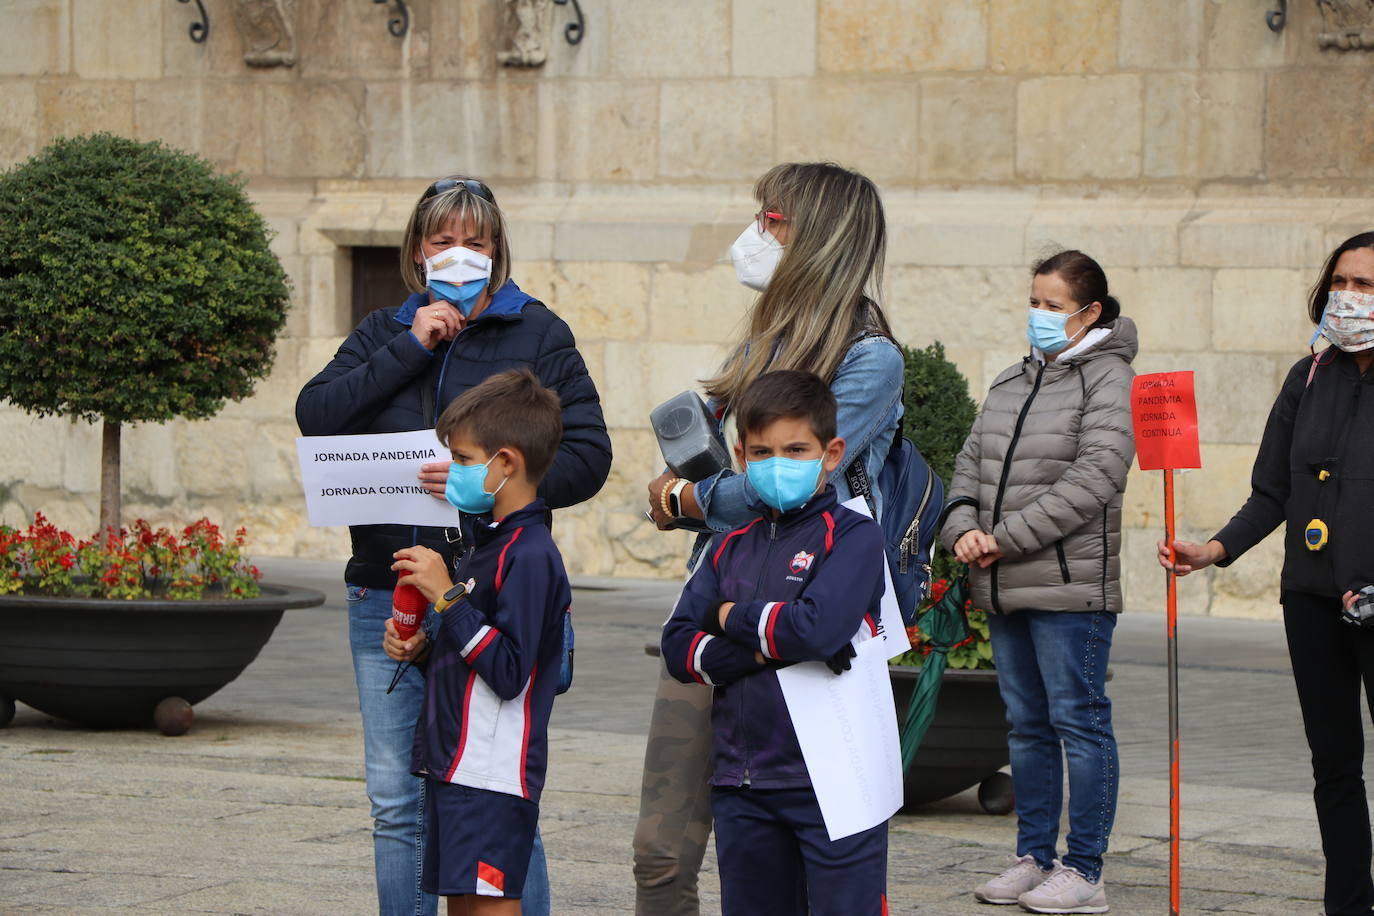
<point>1314,473</point>
<point>465,321</point>
<point>815,254</point>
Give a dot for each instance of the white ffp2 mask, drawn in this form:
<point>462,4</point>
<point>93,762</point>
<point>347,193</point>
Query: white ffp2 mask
<point>756,255</point>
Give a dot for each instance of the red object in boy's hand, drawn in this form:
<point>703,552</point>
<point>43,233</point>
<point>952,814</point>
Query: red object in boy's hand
<point>408,606</point>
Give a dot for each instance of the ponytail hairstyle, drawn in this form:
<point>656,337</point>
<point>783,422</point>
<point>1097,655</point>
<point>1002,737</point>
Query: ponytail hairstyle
<point>470,201</point>
<point>1085,279</point>
<point>827,287</point>
<point>1316,299</point>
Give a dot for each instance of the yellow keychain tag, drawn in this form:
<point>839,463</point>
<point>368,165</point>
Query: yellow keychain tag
<point>1316,534</point>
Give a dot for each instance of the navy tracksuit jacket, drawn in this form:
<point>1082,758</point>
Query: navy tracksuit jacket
<point>491,676</point>
<point>803,585</point>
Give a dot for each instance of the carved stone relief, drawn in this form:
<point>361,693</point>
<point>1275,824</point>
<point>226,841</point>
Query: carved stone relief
<point>1347,25</point>
<point>268,38</point>
<point>527,23</point>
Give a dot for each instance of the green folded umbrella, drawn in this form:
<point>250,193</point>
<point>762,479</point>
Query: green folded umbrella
<point>945,623</point>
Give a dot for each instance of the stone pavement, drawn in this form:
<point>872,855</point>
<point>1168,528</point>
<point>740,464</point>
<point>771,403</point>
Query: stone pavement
<point>261,807</point>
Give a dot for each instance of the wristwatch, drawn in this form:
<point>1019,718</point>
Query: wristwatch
<point>450,597</point>
<point>674,498</point>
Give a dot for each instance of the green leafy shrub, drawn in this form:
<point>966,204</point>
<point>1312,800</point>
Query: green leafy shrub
<point>136,284</point>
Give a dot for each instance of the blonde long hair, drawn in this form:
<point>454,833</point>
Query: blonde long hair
<point>827,288</point>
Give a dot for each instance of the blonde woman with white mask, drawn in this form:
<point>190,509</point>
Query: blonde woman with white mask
<point>814,252</point>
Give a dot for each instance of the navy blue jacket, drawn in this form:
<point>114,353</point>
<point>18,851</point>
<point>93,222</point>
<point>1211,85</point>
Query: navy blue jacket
<point>491,674</point>
<point>373,385</point>
<point>803,585</point>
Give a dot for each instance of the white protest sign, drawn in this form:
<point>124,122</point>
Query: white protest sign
<point>890,626</point>
<point>846,725</point>
<point>371,480</point>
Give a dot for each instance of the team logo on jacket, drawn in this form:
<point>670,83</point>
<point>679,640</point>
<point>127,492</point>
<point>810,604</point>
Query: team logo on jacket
<point>802,561</point>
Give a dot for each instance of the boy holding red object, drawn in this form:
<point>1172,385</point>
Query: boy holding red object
<point>492,670</point>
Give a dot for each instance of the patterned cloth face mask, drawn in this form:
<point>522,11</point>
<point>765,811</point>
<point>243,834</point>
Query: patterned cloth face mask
<point>1348,320</point>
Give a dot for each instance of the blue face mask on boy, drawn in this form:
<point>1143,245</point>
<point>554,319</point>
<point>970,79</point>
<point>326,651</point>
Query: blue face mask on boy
<point>466,488</point>
<point>784,483</point>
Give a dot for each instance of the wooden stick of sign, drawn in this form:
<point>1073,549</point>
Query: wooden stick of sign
<point>1164,414</point>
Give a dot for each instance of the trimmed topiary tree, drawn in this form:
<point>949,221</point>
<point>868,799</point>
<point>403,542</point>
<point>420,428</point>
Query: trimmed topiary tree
<point>136,285</point>
<point>939,415</point>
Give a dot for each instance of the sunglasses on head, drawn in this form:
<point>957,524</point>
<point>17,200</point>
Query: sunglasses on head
<point>471,185</point>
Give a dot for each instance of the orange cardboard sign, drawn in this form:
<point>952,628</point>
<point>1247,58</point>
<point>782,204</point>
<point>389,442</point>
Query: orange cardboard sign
<point>1164,413</point>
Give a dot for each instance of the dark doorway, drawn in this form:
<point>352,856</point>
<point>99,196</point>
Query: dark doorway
<point>376,280</point>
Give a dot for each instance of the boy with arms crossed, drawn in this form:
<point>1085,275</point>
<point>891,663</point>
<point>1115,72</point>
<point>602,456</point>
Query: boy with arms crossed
<point>793,585</point>
<point>482,739</point>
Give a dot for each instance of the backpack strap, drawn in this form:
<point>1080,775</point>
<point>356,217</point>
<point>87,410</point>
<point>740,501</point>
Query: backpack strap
<point>1312,370</point>
<point>856,475</point>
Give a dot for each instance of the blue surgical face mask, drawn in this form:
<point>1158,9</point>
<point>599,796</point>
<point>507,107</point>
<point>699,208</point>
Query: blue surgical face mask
<point>1045,329</point>
<point>463,297</point>
<point>466,488</point>
<point>784,483</point>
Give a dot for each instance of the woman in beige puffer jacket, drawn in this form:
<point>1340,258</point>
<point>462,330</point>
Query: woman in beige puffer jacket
<point>1037,493</point>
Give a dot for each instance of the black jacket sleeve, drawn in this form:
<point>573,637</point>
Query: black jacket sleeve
<point>360,381</point>
<point>1270,478</point>
<point>584,456</point>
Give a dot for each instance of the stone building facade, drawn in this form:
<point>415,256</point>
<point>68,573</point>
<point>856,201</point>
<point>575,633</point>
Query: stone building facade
<point>1207,160</point>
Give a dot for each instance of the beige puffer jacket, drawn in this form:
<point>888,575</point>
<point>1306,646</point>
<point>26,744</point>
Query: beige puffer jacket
<point>1046,465</point>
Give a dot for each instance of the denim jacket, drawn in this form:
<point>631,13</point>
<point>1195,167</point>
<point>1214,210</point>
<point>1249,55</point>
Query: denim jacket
<point>868,393</point>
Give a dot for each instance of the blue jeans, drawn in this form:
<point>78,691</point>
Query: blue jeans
<point>1052,671</point>
<point>397,796</point>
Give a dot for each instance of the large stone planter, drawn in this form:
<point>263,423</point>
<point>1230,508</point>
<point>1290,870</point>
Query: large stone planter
<point>967,742</point>
<point>108,664</point>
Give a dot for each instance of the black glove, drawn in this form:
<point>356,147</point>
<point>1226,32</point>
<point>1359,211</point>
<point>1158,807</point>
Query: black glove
<point>839,662</point>
<point>711,622</point>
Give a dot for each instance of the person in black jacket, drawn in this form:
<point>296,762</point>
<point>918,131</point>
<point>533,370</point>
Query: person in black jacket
<point>1315,471</point>
<point>466,321</point>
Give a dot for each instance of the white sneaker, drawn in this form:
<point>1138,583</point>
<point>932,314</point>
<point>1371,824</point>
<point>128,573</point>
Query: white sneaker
<point>1065,891</point>
<point>1007,887</point>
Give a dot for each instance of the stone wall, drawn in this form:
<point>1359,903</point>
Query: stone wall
<point>1207,161</point>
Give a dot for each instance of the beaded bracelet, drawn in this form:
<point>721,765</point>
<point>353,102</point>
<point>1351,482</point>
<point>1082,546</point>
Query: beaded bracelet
<point>663,496</point>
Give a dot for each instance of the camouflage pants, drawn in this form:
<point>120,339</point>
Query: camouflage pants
<point>674,801</point>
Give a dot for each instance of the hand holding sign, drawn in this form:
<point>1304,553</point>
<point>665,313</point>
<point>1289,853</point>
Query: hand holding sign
<point>372,479</point>
<point>1164,412</point>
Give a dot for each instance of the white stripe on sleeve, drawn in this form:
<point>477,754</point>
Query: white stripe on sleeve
<point>697,656</point>
<point>763,628</point>
<point>476,640</point>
